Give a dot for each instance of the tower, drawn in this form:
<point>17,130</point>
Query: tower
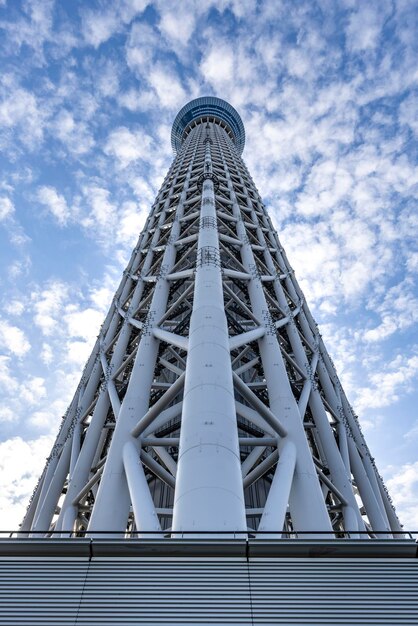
<point>209,404</point>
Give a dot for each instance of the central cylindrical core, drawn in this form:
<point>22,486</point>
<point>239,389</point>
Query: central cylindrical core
<point>209,494</point>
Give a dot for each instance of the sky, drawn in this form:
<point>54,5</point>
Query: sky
<point>328,93</point>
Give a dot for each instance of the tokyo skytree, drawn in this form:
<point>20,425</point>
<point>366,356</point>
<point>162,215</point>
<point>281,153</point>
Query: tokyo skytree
<point>209,405</point>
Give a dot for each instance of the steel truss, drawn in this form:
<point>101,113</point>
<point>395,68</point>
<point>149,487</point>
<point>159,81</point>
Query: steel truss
<point>209,402</point>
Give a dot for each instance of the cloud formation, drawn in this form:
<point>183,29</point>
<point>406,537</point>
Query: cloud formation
<point>328,93</point>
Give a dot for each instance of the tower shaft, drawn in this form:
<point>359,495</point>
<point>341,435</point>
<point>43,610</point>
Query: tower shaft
<point>209,403</point>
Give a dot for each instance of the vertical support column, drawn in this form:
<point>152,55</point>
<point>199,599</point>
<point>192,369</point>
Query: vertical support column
<point>374,512</point>
<point>209,492</point>
<point>142,504</point>
<point>277,500</point>
<point>43,517</point>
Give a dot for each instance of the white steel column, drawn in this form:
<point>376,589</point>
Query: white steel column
<point>142,504</point>
<point>277,501</point>
<point>209,492</point>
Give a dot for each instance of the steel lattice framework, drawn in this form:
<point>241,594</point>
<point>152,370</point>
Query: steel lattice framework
<point>209,402</point>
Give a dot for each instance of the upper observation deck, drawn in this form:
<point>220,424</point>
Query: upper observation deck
<point>212,109</point>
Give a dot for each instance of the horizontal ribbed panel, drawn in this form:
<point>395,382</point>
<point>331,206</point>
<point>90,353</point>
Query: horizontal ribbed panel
<point>169,591</point>
<point>41,590</point>
<point>331,591</point>
<point>115,590</point>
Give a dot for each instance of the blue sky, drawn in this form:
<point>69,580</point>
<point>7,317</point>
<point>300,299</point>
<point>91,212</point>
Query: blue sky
<point>328,93</point>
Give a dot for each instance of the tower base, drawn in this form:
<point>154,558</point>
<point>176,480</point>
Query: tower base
<point>197,582</point>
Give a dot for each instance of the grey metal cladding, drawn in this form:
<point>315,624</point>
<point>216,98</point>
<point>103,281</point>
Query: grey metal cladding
<point>114,590</point>
<point>40,590</point>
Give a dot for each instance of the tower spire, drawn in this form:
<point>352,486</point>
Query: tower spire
<point>209,402</point>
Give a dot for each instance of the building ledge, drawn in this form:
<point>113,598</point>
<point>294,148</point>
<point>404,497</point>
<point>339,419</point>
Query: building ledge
<point>195,548</point>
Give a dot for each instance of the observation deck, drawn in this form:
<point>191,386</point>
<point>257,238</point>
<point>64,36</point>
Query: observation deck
<point>203,109</point>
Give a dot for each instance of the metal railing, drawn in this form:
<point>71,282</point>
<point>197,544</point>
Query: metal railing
<point>213,534</point>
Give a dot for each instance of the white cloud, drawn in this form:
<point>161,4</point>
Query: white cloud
<point>20,111</point>
<point>345,202</point>
<point>398,311</point>
<point>108,80</point>
<point>77,352</point>
<point>167,86</point>
<point>412,262</point>
<point>6,208</point>
<point>364,27</point>
<point>7,382</point>
<point>17,235</point>
<point>412,433</point>
<point>47,354</point>
<point>99,26</point>
<point>75,135</point>
<point>21,464</point>
<point>217,66</point>
<point>386,386</point>
<point>55,203</point>
<point>177,25</point>
<point>41,419</point>
<point>102,295</point>
<point>384,330</point>
<point>83,324</point>
<point>329,113</point>
<point>327,184</point>
<point>34,27</point>
<point>70,318</point>
<point>403,487</point>
<point>130,223</point>
<point>127,146</point>
<point>32,390</point>
<point>101,219</point>
<point>137,100</point>
<point>13,339</point>
<point>298,63</point>
<point>48,306</point>
<point>18,268</point>
<point>7,415</point>
<point>408,112</point>
<point>141,46</point>
<point>66,314</point>
<point>245,8</point>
